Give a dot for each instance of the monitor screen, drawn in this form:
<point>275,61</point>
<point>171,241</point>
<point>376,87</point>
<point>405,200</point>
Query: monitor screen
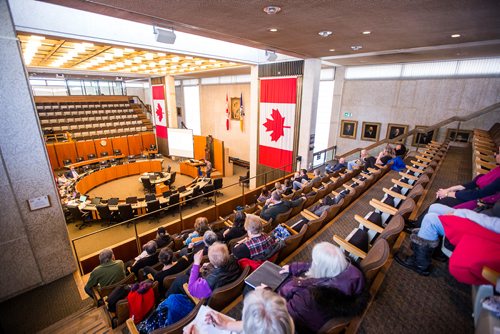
<point>83,198</point>
<point>182,189</point>
<point>131,200</point>
<point>113,201</point>
<point>96,200</point>
<point>150,197</point>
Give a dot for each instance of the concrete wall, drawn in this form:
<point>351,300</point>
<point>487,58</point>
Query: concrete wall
<point>213,117</point>
<point>412,102</point>
<point>34,245</point>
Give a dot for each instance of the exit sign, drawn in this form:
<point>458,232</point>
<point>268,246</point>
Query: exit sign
<point>347,114</point>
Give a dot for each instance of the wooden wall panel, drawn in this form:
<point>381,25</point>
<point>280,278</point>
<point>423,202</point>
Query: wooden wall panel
<point>121,171</point>
<point>120,143</point>
<point>133,168</point>
<point>219,155</point>
<point>144,166</point>
<point>84,148</point>
<point>51,151</point>
<point>148,139</point>
<point>134,144</point>
<point>65,151</point>
<point>99,148</point>
<point>156,165</point>
<point>200,142</point>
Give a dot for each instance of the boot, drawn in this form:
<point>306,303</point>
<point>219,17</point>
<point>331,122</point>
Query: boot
<point>420,261</point>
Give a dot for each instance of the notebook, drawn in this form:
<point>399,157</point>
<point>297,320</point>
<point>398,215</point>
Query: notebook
<point>203,326</point>
<point>113,201</point>
<point>268,274</point>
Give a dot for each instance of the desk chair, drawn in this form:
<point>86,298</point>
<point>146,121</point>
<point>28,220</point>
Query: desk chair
<point>152,206</point>
<point>106,214</point>
<point>104,154</point>
<point>126,212</point>
<point>67,162</point>
<point>217,186</point>
<point>193,200</point>
<point>76,215</point>
<point>150,197</point>
<point>117,152</point>
<point>173,203</point>
<point>169,168</point>
<point>148,187</point>
<point>80,159</point>
<point>91,156</point>
<point>208,191</point>
<point>245,180</point>
<point>170,182</point>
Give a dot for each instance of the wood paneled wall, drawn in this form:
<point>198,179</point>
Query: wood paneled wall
<point>219,155</point>
<point>84,148</point>
<point>200,142</point>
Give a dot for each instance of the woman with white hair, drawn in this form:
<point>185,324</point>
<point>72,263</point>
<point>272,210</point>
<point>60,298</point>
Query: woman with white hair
<point>330,286</point>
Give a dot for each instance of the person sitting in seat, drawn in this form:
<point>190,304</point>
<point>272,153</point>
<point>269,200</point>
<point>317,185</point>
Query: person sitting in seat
<point>108,272</point>
<point>287,187</point>
<point>264,195</point>
<point>238,228</point>
<point>365,160</point>
<point>400,150</point>
<point>200,227</point>
<point>263,312</point>
<point>303,179</point>
<point>209,237</point>
<point>384,156</point>
<point>276,205</point>
<point>319,291</point>
<point>341,164</point>
<point>146,258</point>
<point>162,237</point>
<point>257,245</point>
<point>170,267</point>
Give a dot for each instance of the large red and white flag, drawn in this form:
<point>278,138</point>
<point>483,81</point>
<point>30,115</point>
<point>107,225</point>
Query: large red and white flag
<point>278,99</point>
<point>159,111</point>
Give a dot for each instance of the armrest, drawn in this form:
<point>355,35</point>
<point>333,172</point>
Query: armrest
<point>372,170</point>
<point>383,207</point>
<point>186,290</point>
<point>334,179</point>
<point>368,224</point>
<point>335,193</point>
<point>418,163</point>
<point>485,164</point>
<point>379,166</point>
<point>421,158</point>
<point>310,214</point>
<point>408,176</point>
<point>402,184</point>
<point>347,186</point>
<point>488,158</point>
<point>348,247</point>
<point>364,175</point>
<point>149,276</point>
<point>131,326</point>
<point>415,170</point>
<point>289,229</point>
<point>394,194</point>
<point>479,170</point>
<point>491,275</point>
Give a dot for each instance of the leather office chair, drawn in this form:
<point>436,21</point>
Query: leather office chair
<point>150,197</point>
<point>152,206</point>
<point>106,214</point>
<point>104,154</point>
<point>91,156</point>
<point>148,187</point>
<point>76,215</point>
<point>208,191</point>
<point>67,162</point>
<point>169,168</point>
<point>245,180</point>
<point>217,186</point>
<point>193,198</point>
<point>125,212</point>
<point>80,159</point>
<point>117,152</point>
<point>173,203</point>
<point>170,182</point>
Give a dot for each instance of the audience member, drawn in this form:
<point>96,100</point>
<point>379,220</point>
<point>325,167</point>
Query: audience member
<point>385,156</point>
<point>200,227</point>
<point>263,312</point>
<point>257,245</point>
<point>162,237</point>
<point>264,195</point>
<point>316,292</point>
<point>238,228</point>
<point>300,180</point>
<point>400,150</point>
<point>341,164</point>
<point>209,237</point>
<point>287,187</point>
<point>146,258</point>
<point>365,160</point>
<point>108,272</point>
<point>276,205</point>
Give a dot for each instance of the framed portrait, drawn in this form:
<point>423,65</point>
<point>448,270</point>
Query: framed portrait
<point>396,130</point>
<point>348,129</point>
<point>423,138</point>
<point>462,136</point>
<point>370,131</point>
<point>235,108</point>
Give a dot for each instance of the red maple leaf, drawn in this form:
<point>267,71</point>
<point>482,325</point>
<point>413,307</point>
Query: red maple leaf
<point>159,112</point>
<point>275,125</point>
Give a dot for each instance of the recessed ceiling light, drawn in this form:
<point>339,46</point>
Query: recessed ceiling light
<point>366,32</point>
<point>272,29</point>
<point>356,47</point>
<point>331,50</point>
<point>325,33</point>
<point>271,10</point>
<point>455,35</point>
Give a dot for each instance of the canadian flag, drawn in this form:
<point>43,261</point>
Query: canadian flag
<point>278,99</point>
<point>159,111</point>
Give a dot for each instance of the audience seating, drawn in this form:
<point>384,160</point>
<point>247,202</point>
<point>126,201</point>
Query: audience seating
<point>223,296</point>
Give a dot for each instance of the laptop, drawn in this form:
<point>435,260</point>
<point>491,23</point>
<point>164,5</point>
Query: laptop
<point>153,178</point>
<point>268,274</point>
<point>131,200</point>
<point>83,198</point>
<point>181,189</point>
<point>113,201</point>
<point>167,193</point>
<point>96,200</point>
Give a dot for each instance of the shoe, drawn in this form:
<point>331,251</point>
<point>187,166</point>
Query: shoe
<point>409,262</point>
<point>420,261</point>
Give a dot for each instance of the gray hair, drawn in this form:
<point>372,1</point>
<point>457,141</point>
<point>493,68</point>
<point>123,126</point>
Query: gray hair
<point>265,312</point>
<point>150,247</point>
<point>209,238</point>
<point>105,255</point>
<point>218,254</point>
<point>328,260</point>
<point>253,224</point>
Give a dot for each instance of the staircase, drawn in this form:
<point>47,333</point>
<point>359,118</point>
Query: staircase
<point>90,320</point>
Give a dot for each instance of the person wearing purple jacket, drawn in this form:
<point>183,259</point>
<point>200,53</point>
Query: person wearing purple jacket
<point>328,287</point>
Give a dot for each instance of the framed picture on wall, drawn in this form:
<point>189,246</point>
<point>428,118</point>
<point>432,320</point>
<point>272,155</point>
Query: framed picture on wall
<point>462,136</point>
<point>348,129</point>
<point>396,130</point>
<point>423,138</point>
<point>370,131</point>
<point>235,108</point>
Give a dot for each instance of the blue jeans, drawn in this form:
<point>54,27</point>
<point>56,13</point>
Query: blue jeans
<point>432,228</point>
<point>351,164</point>
<point>296,185</point>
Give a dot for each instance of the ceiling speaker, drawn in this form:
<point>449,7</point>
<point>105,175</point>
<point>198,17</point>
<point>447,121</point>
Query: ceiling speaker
<point>165,36</point>
<point>271,55</point>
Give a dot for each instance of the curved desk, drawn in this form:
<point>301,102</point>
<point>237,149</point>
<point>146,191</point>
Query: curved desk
<point>102,176</point>
<point>190,168</point>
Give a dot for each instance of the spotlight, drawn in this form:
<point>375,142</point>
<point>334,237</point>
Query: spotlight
<point>164,36</point>
<point>271,55</point>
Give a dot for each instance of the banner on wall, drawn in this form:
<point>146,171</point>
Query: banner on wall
<point>278,98</point>
<point>159,110</point>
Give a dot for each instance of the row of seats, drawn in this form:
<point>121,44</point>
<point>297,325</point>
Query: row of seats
<point>85,113</point>
<point>484,145</point>
<point>79,105</point>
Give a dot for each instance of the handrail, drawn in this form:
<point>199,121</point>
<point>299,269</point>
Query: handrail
<point>478,113</point>
<point>144,106</point>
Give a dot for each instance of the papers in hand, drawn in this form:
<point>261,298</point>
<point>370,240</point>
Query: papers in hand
<point>204,327</point>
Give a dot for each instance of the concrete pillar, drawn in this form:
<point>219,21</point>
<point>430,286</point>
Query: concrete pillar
<point>309,108</point>
<point>254,122</point>
<point>34,245</point>
<point>336,106</point>
<point>170,102</point>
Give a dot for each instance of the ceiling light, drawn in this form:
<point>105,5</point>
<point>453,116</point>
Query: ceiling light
<point>138,60</point>
<point>356,47</point>
<point>143,66</point>
<point>203,67</point>
<point>212,60</point>
<point>332,50</point>
<point>175,59</point>
<point>118,52</point>
<point>185,64</point>
<point>198,62</point>
<point>455,35</point>
<point>128,62</point>
<point>152,64</point>
<point>271,55</point>
<point>271,10</point>
<point>325,33</point>
<point>163,62</point>
<point>36,38</point>
<point>272,29</point>
<point>188,57</point>
<point>128,50</point>
<point>366,32</point>
<point>149,56</point>
<point>161,54</point>
<point>108,56</point>
<point>120,64</point>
